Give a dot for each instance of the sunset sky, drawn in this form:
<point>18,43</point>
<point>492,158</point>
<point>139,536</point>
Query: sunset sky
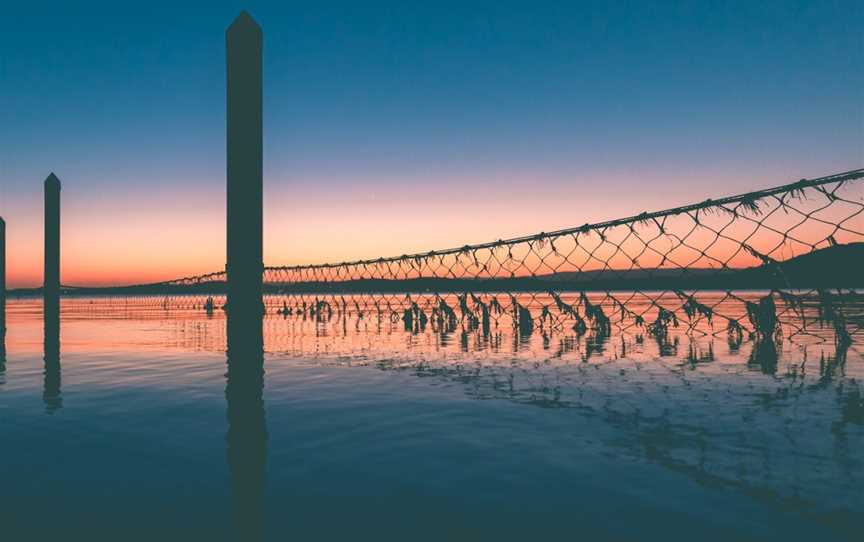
<point>394,127</point>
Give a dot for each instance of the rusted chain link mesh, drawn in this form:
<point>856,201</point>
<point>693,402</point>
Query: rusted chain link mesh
<point>780,262</point>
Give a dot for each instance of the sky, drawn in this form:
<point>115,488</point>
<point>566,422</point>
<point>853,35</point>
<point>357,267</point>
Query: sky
<point>398,127</point>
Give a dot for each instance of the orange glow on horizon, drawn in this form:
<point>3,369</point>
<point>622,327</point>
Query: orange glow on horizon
<point>155,237</point>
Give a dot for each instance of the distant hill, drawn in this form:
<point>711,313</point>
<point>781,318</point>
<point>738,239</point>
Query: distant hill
<point>836,266</point>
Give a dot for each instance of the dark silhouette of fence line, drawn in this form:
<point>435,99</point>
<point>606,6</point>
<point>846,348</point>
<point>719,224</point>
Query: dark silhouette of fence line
<point>746,201</point>
<point>742,204</point>
<point>800,243</point>
<point>661,261</point>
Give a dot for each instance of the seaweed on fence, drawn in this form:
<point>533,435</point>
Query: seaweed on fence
<point>522,319</point>
<point>467,314</point>
<point>594,313</point>
<point>830,313</point>
<point>763,318</point>
<point>413,318</point>
<point>444,316</point>
<point>563,308</point>
<point>484,313</point>
<point>546,315</point>
<point>693,308</point>
<point>579,326</point>
<point>209,306</point>
<point>323,310</point>
<point>665,320</point>
<point>735,333</point>
<point>794,302</point>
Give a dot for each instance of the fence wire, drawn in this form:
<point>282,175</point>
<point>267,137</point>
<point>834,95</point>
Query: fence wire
<point>780,262</point>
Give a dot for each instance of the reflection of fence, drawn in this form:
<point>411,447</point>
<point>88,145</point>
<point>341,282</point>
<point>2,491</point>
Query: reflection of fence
<point>799,244</point>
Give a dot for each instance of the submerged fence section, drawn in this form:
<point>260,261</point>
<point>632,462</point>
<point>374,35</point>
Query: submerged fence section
<point>778,262</point>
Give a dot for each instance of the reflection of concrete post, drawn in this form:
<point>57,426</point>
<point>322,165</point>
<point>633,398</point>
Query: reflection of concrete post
<point>2,280</point>
<point>51,278</point>
<point>51,382</point>
<point>244,262</point>
<point>247,428</point>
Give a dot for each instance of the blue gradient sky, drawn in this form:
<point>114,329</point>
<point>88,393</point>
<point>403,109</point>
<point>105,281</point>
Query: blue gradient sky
<point>396,127</point>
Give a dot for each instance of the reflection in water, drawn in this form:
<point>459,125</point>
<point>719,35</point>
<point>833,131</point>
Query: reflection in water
<point>2,357</point>
<point>779,422</point>
<point>247,426</point>
<point>51,386</point>
<point>764,356</point>
<point>712,423</point>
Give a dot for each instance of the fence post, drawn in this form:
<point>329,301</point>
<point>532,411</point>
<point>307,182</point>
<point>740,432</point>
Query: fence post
<point>244,255</point>
<point>51,277</point>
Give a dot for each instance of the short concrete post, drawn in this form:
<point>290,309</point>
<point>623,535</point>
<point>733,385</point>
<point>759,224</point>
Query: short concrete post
<point>2,279</point>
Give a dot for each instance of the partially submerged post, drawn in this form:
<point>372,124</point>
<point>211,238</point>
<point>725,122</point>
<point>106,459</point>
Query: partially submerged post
<point>51,294</point>
<point>51,277</point>
<point>2,280</point>
<point>244,262</point>
<point>247,430</point>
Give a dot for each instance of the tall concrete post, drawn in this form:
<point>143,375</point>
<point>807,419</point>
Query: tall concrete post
<point>244,261</point>
<point>51,277</point>
<point>247,430</point>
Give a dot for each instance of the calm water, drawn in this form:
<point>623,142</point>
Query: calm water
<point>132,431</point>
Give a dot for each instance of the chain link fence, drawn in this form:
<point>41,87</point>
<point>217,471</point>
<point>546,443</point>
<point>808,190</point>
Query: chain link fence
<point>781,262</point>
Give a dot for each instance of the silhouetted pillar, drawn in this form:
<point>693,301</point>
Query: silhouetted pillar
<point>51,277</point>
<point>2,285</point>
<point>247,431</point>
<point>244,262</point>
<point>51,295</point>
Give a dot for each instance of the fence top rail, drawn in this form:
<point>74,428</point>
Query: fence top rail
<point>748,198</point>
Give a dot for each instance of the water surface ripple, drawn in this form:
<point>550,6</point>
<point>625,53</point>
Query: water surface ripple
<point>135,428</point>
